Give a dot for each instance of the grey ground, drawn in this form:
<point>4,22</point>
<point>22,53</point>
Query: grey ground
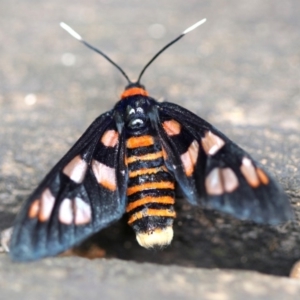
<point>240,71</point>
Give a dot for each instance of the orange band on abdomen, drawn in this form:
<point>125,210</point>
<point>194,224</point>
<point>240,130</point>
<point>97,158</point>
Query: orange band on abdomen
<point>149,186</point>
<point>152,213</point>
<point>149,156</point>
<point>150,199</point>
<point>145,171</point>
<point>139,141</point>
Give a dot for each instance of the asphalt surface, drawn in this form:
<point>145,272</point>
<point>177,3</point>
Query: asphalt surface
<point>240,71</point>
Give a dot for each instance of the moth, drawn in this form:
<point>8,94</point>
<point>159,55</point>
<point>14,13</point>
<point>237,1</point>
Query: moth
<point>135,159</point>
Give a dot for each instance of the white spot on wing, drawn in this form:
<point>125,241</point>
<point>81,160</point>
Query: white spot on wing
<point>66,214</point>
<point>229,179</point>
<point>221,180</point>
<point>47,203</point>
<point>171,127</point>
<point>82,211</point>
<point>104,175</point>
<point>249,172</point>
<point>189,158</point>
<point>110,138</point>
<point>76,169</point>
<point>211,143</point>
<point>213,182</point>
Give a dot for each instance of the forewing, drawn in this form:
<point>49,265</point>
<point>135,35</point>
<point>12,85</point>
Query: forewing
<point>82,194</point>
<point>215,173</point>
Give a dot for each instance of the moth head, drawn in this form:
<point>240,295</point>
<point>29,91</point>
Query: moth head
<point>136,117</point>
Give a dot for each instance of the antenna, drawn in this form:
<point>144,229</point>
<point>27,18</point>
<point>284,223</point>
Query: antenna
<point>73,33</point>
<point>189,29</point>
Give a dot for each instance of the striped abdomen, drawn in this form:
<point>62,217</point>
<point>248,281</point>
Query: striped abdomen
<point>150,192</point>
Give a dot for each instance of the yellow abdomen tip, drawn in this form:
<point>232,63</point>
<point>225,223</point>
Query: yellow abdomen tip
<point>156,238</point>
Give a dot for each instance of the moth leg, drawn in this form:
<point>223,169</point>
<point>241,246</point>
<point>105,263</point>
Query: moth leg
<point>5,237</point>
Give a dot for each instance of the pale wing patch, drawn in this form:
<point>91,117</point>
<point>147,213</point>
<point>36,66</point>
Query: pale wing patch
<point>221,180</point>
<point>171,127</point>
<point>34,209</point>
<point>229,179</point>
<point>65,213</point>
<point>262,176</point>
<point>46,205</point>
<point>110,138</point>
<point>211,143</point>
<point>105,175</point>
<point>213,183</point>
<point>42,208</point>
<point>249,172</point>
<point>82,212</point>
<point>76,169</point>
<point>189,158</point>
<point>74,211</point>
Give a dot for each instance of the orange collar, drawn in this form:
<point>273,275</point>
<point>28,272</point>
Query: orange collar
<point>134,91</point>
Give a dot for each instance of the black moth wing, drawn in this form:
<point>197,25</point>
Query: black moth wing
<point>72,202</point>
<point>215,173</point>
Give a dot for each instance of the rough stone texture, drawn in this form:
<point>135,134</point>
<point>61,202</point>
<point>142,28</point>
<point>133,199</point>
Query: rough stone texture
<point>77,278</point>
<point>240,71</point>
